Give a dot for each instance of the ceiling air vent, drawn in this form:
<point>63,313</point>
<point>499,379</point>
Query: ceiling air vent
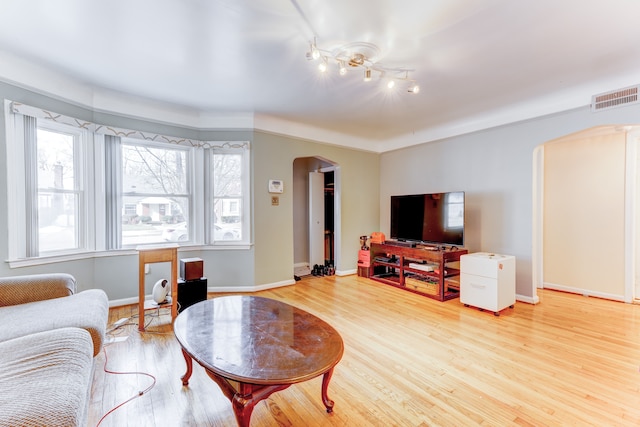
<point>614,99</point>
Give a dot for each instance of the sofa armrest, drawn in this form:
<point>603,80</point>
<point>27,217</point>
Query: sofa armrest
<point>35,287</point>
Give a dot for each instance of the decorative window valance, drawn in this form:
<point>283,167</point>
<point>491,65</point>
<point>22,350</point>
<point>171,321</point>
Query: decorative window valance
<point>39,113</point>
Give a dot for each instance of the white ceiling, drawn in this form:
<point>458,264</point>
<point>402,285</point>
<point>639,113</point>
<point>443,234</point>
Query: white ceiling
<point>479,63</point>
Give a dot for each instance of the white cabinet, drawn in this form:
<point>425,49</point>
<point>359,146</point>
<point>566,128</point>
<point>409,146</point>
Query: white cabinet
<point>488,281</point>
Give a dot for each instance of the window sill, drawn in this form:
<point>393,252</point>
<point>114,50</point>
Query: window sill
<point>28,262</point>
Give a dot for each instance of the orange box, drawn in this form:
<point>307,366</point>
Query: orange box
<point>378,237</point>
<point>364,258</point>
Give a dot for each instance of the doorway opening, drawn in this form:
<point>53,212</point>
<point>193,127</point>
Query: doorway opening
<point>583,206</point>
<point>316,205</point>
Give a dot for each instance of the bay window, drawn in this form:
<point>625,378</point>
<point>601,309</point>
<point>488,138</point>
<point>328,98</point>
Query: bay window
<point>77,187</point>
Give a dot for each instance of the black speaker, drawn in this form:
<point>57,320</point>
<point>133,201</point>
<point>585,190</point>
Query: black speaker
<point>191,292</point>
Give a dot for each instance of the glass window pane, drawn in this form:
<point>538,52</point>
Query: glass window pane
<point>227,200</point>
<point>155,201</point>
<point>57,215</point>
<point>227,219</point>
<point>55,160</point>
<point>58,195</point>
<point>147,220</point>
<point>153,170</point>
<point>227,175</point>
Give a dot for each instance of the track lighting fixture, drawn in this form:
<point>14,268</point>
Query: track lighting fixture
<point>314,53</point>
<point>343,69</point>
<point>360,55</point>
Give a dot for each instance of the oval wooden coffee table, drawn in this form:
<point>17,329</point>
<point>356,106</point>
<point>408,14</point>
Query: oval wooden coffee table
<point>254,346</point>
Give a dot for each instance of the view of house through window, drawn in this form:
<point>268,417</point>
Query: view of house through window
<point>156,199</point>
<point>58,190</point>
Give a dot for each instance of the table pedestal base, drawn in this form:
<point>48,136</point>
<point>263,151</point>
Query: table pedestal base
<point>245,396</point>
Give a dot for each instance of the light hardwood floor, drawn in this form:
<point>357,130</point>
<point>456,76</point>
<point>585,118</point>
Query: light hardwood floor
<point>408,361</point>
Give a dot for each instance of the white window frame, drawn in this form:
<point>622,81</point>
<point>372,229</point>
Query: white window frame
<point>245,152</point>
<point>91,168</point>
<point>19,184</point>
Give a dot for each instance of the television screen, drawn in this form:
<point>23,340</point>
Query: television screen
<point>429,218</point>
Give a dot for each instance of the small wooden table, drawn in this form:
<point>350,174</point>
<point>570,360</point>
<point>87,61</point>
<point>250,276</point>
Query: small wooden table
<point>152,254</point>
<point>254,346</point>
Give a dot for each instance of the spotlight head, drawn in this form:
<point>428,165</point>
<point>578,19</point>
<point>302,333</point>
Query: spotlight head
<point>414,88</point>
<point>322,67</point>
<point>391,84</point>
<point>343,69</point>
<point>315,53</point>
<point>367,75</point>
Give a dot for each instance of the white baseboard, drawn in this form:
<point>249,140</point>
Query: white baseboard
<point>254,288</point>
<point>213,289</point>
<point>585,292</point>
<point>529,300</point>
<point>125,301</point>
<point>346,272</point>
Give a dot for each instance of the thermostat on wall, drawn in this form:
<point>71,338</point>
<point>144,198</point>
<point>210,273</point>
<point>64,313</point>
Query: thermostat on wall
<point>276,186</point>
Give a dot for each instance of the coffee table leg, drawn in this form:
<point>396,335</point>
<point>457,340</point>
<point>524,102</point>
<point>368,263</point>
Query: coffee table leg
<point>328,403</point>
<point>242,408</point>
<point>187,375</point>
<point>246,397</point>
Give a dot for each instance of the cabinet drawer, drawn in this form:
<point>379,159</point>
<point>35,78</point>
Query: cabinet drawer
<point>478,291</point>
<point>481,264</point>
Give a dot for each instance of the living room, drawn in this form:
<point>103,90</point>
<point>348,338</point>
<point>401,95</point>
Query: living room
<point>498,159</point>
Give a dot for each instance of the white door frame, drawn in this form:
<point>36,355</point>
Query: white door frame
<point>631,239</point>
<point>337,227</point>
<point>316,218</point>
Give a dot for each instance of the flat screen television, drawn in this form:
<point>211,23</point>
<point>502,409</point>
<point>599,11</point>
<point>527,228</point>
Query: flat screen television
<point>428,218</point>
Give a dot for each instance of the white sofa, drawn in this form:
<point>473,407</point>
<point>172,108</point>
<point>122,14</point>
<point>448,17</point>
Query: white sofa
<point>48,340</point>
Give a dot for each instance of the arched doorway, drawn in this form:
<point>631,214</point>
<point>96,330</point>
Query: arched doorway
<point>585,227</point>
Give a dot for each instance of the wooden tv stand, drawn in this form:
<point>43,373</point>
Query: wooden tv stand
<point>435,272</point>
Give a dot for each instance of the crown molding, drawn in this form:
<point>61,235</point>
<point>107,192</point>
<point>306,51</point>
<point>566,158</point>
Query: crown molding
<point>34,77</point>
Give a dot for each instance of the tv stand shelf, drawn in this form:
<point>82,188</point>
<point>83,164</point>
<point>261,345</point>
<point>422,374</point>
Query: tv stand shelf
<point>435,272</point>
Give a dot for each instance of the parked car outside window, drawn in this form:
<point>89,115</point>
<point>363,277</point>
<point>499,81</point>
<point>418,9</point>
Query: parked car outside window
<point>180,233</point>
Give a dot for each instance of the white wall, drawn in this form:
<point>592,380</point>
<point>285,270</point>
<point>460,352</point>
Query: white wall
<point>494,168</point>
<point>584,213</point>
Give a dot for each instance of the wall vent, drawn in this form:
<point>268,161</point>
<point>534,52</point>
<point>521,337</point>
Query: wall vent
<point>618,98</point>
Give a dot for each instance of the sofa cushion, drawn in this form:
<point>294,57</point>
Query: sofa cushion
<point>87,310</point>
<point>45,378</point>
